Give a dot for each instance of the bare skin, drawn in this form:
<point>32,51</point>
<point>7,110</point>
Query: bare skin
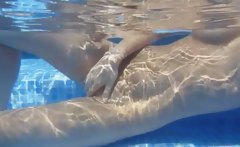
<point>187,78</point>
<point>72,53</point>
<point>105,72</point>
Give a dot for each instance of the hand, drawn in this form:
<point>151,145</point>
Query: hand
<point>104,73</point>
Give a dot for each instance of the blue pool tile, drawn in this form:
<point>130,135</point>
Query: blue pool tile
<point>40,83</point>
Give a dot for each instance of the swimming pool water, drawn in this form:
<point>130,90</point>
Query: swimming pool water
<point>39,83</point>
<point>209,130</point>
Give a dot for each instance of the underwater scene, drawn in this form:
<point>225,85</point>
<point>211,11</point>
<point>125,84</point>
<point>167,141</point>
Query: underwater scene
<point>115,73</point>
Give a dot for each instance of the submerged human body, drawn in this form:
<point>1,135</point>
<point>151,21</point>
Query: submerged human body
<point>73,53</point>
<point>161,85</point>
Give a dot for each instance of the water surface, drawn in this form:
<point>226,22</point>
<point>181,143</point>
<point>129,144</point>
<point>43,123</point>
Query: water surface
<point>52,15</point>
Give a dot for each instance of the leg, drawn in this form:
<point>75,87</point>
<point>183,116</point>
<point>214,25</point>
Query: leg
<point>9,65</point>
<point>64,50</point>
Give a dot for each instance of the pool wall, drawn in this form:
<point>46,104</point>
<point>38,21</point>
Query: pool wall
<point>40,83</point>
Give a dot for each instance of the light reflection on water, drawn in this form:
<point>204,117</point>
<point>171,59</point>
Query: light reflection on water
<point>24,12</point>
<point>29,15</point>
<point>42,15</point>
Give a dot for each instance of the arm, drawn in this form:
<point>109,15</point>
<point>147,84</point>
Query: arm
<point>132,42</point>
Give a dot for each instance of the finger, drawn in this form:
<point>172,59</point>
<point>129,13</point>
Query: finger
<point>94,88</point>
<point>89,80</point>
<point>108,89</point>
<point>88,83</point>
